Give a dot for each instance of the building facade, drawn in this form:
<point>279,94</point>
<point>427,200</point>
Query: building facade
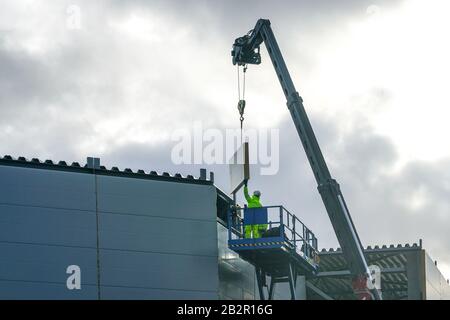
<point>138,235</point>
<point>133,235</point>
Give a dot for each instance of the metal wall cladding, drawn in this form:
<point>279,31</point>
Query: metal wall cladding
<point>47,188</point>
<point>47,222</point>
<point>436,285</point>
<point>157,234</point>
<point>282,291</point>
<point>158,271</point>
<point>20,290</point>
<point>33,271</point>
<point>127,293</point>
<point>157,239</point>
<point>49,226</point>
<point>156,198</point>
<point>237,277</point>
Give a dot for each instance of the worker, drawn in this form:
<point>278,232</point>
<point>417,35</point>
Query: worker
<point>253,202</point>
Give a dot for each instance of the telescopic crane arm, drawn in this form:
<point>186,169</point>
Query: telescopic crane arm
<point>246,51</point>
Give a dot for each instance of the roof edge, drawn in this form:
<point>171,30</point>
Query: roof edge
<point>35,163</point>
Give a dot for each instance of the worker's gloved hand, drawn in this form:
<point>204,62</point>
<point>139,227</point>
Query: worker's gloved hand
<point>245,182</point>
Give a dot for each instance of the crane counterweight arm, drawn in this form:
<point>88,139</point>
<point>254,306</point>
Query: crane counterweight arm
<point>246,51</point>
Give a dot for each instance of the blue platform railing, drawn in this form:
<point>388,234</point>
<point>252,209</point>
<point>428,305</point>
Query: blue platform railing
<point>281,224</point>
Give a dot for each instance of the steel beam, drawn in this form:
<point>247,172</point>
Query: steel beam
<point>318,291</point>
<point>346,273</point>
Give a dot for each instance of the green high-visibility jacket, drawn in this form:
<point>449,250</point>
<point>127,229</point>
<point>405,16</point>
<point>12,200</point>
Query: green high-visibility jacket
<point>253,201</point>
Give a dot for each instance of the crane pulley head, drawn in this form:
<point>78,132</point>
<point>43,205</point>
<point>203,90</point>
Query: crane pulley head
<point>246,49</point>
<point>244,52</point>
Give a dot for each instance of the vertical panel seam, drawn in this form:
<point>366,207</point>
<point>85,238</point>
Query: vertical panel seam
<point>97,234</point>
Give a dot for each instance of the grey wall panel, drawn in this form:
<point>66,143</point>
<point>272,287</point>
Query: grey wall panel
<point>40,263</point>
<point>282,291</point>
<point>236,276</point>
<point>158,271</point>
<point>46,188</point>
<point>47,226</point>
<point>436,285</point>
<point>118,293</point>
<point>156,198</point>
<point>46,217</point>
<point>445,290</point>
<point>163,235</point>
<point>22,290</point>
<point>154,234</point>
<point>58,210</point>
<point>415,274</point>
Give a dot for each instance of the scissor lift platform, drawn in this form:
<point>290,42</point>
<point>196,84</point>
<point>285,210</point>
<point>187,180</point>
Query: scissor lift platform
<point>287,249</point>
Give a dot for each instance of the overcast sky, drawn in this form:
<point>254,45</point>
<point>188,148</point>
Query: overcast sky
<point>374,77</point>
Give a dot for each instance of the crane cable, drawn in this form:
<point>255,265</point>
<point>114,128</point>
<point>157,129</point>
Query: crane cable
<point>241,102</point>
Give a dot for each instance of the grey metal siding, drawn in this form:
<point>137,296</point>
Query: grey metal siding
<point>156,198</point>
<point>237,277</point>
<point>156,234</point>
<point>46,188</point>
<point>114,293</point>
<point>43,263</point>
<point>436,285</point>
<point>39,225</point>
<point>158,271</point>
<point>157,239</point>
<point>25,290</point>
<point>415,273</point>
<point>47,222</point>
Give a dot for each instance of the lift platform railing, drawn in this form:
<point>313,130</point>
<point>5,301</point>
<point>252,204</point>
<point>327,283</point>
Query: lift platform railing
<point>280,223</point>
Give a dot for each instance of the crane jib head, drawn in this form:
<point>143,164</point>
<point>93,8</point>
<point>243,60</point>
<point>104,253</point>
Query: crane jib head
<point>243,53</point>
<point>246,49</point>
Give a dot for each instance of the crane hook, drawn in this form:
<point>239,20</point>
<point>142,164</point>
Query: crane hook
<point>241,108</point>
<point>241,103</point>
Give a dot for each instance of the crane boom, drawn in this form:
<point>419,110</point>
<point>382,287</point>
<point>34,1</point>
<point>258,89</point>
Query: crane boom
<point>246,51</point>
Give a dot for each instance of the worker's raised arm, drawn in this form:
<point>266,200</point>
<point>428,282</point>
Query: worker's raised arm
<point>246,195</point>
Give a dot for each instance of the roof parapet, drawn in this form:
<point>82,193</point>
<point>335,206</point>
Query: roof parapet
<point>93,163</point>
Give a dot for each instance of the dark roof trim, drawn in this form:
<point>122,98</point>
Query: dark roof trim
<point>383,248</point>
<point>114,171</point>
